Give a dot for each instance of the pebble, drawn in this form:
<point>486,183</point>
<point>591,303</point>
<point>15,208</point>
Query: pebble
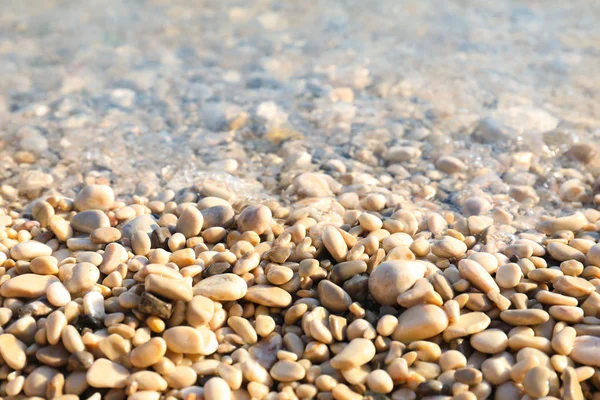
<point>89,220</point>
<point>585,350</point>
<point>490,341</point>
<point>94,197</point>
<point>29,250</point>
<point>335,244</point>
<point>448,247</point>
<point>27,285</point>
<point>172,289</point>
<point>104,373</point>
<point>255,218</point>
<point>150,304</point>
<point>85,275</point>
<point>36,383</point>
<point>221,216</point>
<point>269,296</point>
<point>420,322</point>
<point>287,371</point>
<point>468,324</point>
<point>13,351</point>
<point>358,352</point>
<point>392,278</point>
<point>217,389</point>
<point>332,297</point>
<point>224,287</point>
<point>190,222</point>
<point>188,340</point>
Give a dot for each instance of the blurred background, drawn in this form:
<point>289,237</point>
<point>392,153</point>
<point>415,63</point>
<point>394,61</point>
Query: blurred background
<point>164,91</point>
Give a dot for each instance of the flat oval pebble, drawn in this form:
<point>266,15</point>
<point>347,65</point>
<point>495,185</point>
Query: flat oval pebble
<point>27,285</point>
<point>467,324</point>
<point>420,322</point>
<point>223,287</point>
<point>104,373</point>
<point>392,278</point>
<point>270,296</point>
<point>585,350</point>
<point>94,197</point>
<point>490,341</point>
<point>89,220</point>
<point>29,250</point>
<point>105,235</point>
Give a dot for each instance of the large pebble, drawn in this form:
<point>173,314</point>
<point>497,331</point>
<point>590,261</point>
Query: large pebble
<point>188,340</point>
<point>217,389</point>
<point>392,278</point>
<point>585,350</point>
<point>420,322</point>
<point>27,285</point>
<point>94,197</point>
<point>29,250</point>
<point>255,218</point>
<point>466,325</point>
<point>85,275</point>
<point>104,373</point>
<point>36,383</point>
<point>332,297</point>
<point>145,223</point>
<point>172,289</point>
<point>190,222</point>
<point>89,220</point>
<point>223,287</point>
<point>358,352</point>
<point>287,371</point>
<point>218,216</point>
<point>478,276</point>
<point>270,296</point>
<point>148,353</point>
<point>13,351</point>
<point>335,244</point>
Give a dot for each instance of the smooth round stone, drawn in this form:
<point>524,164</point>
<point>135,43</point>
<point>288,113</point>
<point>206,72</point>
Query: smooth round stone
<point>217,389</point>
<point>218,216</point>
<point>36,383</point>
<point>490,341</point>
<point>420,322</point>
<point>334,243</point>
<point>190,222</point>
<point>29,250</point>
<point>57,294</point>
<point>448,247</point>
<point>188,340</point>
<point>508,275</point>
<point>392,278</point>
<point>199,311</point>
<point>287,371</point>
<point>573,286</point>
<point>104,373</point>
<point>89,220</point>
<point>105,235</point>
<point>585,350</point>
<point>333,297</point>
<point>524,317</point>
<point>256,218</point>
<point>358,352</point>
<point>269,296</point>
<point>85,275</point>
<point>466,325</point>
<point>46,265</point>
<point>148,380</point>
<point>27,285</point>
<point>13,351</point>
<point>94,197</point>
<point>145,223</point>
<point>223,287</point>
<point>148,353</point>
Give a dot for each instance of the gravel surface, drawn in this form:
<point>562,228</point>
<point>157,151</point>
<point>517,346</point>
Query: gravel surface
<point>281,200</point>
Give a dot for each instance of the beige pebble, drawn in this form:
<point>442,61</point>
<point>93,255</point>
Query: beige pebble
<point>287,371</point>
<point>508,275</point>
<point>104,373</point>
<point>188,340</point>
<point>94,197</point>
<point>490,341</point>
<point>190,222</point>
<point>182,376</point>
<point>71,339</point>
<point>585,350</point>
<point>477,276</point>
<point>392,278</point>
<point>448,247</point>
<point>27,285</point>
<point>524,317</point>
<point>105,235</point>
<point>199,311</point>
<point>563,341</point>
<point>13,351</point>
<point>334,243</point>
<point>451,360</point>
<point>217,389</point>
<point>380,381</point>
<point>140,243</point>
<point>223,287</point>
<point>467,324</point>
<point>85,275</point>
<point>573,286</point>
<point>55,323</point>
<point>244,328</point>
<point>172,289</point>
<point>333,297</point>
<point>562,252</point>
<point>37,381</point>
<point>450,165</point>
<point>89,220</point>
<point>45,265</point>
<point>255,218</point>
<point>148,353</point>
<point>270,296</point>
<point>537,382</point>
<point>358,352</point>
<point>420,322</point>
<point>568,314</point>
<point>29,250</point>
<point>148,380</point>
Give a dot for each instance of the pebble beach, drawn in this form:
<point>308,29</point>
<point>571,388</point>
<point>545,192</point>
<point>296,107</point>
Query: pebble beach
<point>223,200</point>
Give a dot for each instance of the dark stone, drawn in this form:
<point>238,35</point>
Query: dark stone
<point>36,308</point>
<point>153,305</point>
<point>86,321</point>
<point>222,216</point>
<point>80,360</point>
<point>357,287</point>
<point>216,269</point>
<point>160,237</point>
<point>345,270</point>
<point>430,388</point>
